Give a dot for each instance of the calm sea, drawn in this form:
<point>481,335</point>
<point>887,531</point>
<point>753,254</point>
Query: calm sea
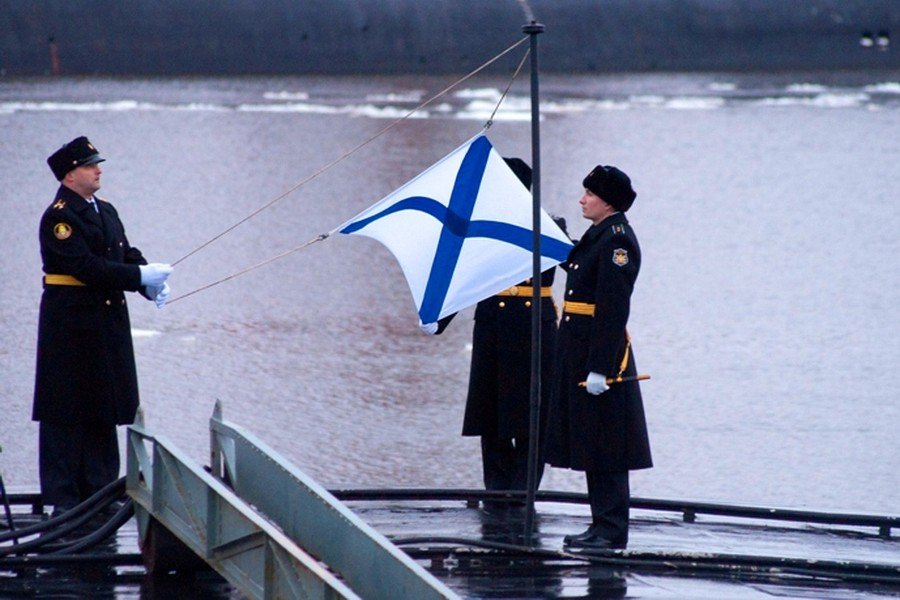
<point>766,311</point>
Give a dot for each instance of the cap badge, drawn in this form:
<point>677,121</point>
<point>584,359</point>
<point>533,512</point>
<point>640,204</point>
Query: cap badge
<point>620,257</point>
<point>62,231</point>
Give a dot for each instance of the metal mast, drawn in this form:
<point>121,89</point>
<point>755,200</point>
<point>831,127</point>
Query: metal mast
<point>533,29</point>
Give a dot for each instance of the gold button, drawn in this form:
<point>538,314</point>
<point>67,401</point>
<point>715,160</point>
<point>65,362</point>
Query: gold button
<point>122,301</point>
<point>571,292</point>
<point>513,291</point>
<point>528,281</point>
<point>108,303</point>
<point>575,267</point>
<point>502,304</point>
<point>567,317</point>
<point>528,304</point>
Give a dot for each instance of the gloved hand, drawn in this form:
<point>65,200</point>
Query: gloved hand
<point>561,223</point>
<point>162,295</point>
<point>596,383</point>
<point>429,328</point>
<point>155,274</point>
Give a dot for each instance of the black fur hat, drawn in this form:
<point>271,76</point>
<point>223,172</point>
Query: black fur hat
<point>612,185</point>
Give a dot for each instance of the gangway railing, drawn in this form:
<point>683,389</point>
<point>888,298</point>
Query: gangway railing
<point>217,525</point>
<point>317,521</point>
<point>262,524</point>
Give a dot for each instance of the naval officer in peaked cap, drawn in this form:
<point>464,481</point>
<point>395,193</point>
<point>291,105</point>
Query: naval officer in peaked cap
<point>85,380</point>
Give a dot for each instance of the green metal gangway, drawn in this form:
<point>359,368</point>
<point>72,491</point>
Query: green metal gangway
<point>265,526</point>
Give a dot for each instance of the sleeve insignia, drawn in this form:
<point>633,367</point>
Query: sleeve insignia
<point>618,229</point>
<point>62,231</point>
<point>60,204</point>
<point>620,257</point>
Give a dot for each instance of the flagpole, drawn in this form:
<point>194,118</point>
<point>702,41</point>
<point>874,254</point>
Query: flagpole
<point>533,29</point>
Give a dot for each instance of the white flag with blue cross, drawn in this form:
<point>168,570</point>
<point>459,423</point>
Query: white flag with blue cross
<point>461,230</point>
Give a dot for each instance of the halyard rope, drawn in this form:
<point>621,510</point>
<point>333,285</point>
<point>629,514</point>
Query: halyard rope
<point>318,238</point>
<point>490,120</point>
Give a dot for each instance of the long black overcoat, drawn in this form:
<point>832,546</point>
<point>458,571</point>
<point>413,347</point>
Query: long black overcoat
<point>499,398</point>
<point>606,432</point>
<point>85,358</point>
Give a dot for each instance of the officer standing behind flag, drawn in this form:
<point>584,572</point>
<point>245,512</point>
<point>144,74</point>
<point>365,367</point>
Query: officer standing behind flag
<point>85,381</point>
<point>498,404</point>
<point>598,428</point>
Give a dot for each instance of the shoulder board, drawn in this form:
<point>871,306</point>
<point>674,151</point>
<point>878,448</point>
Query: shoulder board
<point>618,229</point>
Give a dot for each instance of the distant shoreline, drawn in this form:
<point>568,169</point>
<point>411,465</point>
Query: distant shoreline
<point>283,37</point>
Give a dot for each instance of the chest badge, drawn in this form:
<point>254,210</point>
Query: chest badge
<point>62,231</point>
<point>620,257</point>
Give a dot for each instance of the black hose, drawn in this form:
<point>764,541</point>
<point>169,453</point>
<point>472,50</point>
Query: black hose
<point>68,553</point>
<point>57,527</point>
<point>45,542</point>
<point>121,516</point>
<point>114,489</point>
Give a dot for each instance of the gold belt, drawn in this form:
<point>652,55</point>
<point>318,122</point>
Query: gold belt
<point>61,280</point>
<point>579,308</point>
<point>526,290</point>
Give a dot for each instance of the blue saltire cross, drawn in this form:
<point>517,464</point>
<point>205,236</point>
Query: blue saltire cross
<point>457,226</point>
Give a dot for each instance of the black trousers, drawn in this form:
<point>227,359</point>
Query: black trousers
<point>75,461</point>
<point>505,463</point>
<point>609,495</point>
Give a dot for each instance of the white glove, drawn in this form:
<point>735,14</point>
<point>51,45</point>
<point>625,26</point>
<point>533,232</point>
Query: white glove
<point>429,328</point>
<point>155,274</point>
<point>162,295</point>
<point>596,383</point>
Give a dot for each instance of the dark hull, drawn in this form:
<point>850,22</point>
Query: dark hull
<point>678,549</point>
<point>239,37</point>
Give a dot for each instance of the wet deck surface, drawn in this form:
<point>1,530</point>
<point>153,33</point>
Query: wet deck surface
<point>480,553</point>
<point>666,558</point>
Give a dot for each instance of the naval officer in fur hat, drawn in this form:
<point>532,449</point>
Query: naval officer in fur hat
<point>594,427</point>
<point>85,381</point>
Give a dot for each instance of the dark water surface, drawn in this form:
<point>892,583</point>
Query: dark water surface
<point>766,310</point>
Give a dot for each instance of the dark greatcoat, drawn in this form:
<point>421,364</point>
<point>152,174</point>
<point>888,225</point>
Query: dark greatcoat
<point>606,432</point>
<point>85,359</point>
<point>499,399</point>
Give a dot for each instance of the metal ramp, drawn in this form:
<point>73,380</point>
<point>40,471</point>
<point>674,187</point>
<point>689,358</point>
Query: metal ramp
<point>261,523</point>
